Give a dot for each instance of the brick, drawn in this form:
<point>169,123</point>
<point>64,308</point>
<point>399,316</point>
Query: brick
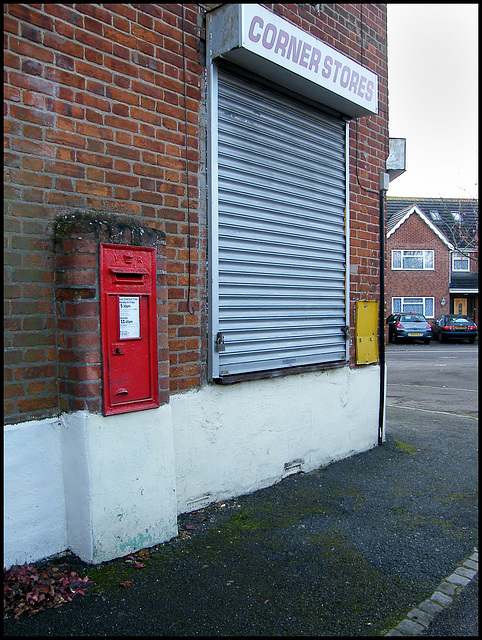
<point>96,11</point>
<point>39,403</point>
<point>31,179</point>
<point>94,188</point>
<point>441,598</point>
<point>92,41</point>
<point>64,77</point>
<point>13,390</point>
<point>80,277</point>
<point>410,627</point>
<point>465,572</point>
<point>457,579</point>
<point>421,617</point>
<point>27,14</point>
<point>93,101</point>
<point>119,95</point>
<point>84,373</point>
<point>85,356</point>
<point>93,71</point>
<point>66,139</point>
<point>36,388</point>
<point>29,373</point>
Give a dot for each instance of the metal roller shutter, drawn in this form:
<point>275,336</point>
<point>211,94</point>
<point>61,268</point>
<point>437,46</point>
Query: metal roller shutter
<point>281,231</point>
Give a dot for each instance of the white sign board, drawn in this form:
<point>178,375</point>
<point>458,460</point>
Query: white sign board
<point>129,317</point>
<point>238,28</point>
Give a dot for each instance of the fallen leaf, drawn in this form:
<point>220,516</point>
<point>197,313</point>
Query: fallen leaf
<point>27,590</point>
<point>126,584</point>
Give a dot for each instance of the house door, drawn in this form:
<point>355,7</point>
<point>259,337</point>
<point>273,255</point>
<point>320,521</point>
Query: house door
<point>460,306</point>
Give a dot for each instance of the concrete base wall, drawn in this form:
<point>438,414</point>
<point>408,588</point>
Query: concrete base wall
<point>232,440</point>
<point>101,487</point>
<point>119,480</point>
<point>34,507</point>
<point>105,487</point>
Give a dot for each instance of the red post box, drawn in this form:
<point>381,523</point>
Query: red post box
<point>128,328</point>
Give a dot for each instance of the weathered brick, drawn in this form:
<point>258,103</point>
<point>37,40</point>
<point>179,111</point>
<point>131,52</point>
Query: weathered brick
<point>95,99</point>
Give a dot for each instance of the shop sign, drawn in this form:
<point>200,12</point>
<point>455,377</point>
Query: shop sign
<point>252,36</point>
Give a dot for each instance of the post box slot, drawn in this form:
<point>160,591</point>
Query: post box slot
<point>121,274</point>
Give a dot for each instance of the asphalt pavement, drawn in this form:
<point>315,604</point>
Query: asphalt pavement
<point>350,549</point>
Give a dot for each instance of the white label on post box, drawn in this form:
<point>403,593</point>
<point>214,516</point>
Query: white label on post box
<point>129,320</point>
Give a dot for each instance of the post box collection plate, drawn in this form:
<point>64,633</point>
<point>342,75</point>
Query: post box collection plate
<point>128,328</point>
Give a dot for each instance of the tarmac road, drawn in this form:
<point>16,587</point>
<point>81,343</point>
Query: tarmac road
<point>346,550</point>
<point>434,377</point>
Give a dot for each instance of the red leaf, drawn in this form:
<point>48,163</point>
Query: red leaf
<point>126,584</point>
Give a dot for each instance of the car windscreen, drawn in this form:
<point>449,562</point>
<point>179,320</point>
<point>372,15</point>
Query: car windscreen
<point>458,320</point>
<point>412,319</point>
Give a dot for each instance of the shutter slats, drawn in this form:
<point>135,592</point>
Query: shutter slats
<point>281,241</point>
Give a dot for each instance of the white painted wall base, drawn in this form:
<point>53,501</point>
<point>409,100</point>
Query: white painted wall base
<point>105,487</point>
<point>232,440</point>
<point>101,487</point>
<point>120,485</point>
<point>34,512</point>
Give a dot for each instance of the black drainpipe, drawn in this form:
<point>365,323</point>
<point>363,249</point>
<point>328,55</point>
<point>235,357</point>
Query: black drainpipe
<point>384,178</point>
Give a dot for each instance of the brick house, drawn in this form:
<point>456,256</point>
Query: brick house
<point>432,256</point>
<point>190,222</point>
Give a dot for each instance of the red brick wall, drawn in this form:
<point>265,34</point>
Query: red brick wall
<point>94,122</point>
<point>414,233</point>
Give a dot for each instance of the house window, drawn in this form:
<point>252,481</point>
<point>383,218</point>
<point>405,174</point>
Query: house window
<point>460,262</point>
<point>456,215</point>
<point>413,260</point>
<point>424,306</point>
<point>435,215</point>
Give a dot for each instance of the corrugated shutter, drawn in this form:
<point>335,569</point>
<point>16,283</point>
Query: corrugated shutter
<point>281,242</point>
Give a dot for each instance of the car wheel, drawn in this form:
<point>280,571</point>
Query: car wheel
<point>471,340</point>
<point>427,341</point>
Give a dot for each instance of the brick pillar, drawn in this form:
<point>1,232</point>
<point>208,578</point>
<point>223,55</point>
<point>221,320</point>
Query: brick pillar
<point>77,238</point>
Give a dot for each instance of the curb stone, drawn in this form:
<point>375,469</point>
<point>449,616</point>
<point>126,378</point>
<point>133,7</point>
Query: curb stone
<point>419,618</point>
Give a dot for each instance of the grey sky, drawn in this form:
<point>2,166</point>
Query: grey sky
<point>433,97</point>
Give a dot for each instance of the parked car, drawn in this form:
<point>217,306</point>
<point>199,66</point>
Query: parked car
<point>454,327</point>
<point>408,326</point>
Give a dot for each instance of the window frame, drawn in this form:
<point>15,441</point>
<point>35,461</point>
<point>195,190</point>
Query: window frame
<point>425,259</point>
<point>424,301</point>
<point>456,255</point>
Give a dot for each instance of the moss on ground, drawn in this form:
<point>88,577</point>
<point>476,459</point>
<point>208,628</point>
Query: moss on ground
<point>406,448</point>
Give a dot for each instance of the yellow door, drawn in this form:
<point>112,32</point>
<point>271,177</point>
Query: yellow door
<point>460,306</point>
<point>366,321</point>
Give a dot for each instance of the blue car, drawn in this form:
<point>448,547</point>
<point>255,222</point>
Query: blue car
<point>408,326</point>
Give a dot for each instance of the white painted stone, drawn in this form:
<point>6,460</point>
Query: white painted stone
<point>234,439</point>
<point>127,496</point>
<point>105,487</point>
<point>34,513</point>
